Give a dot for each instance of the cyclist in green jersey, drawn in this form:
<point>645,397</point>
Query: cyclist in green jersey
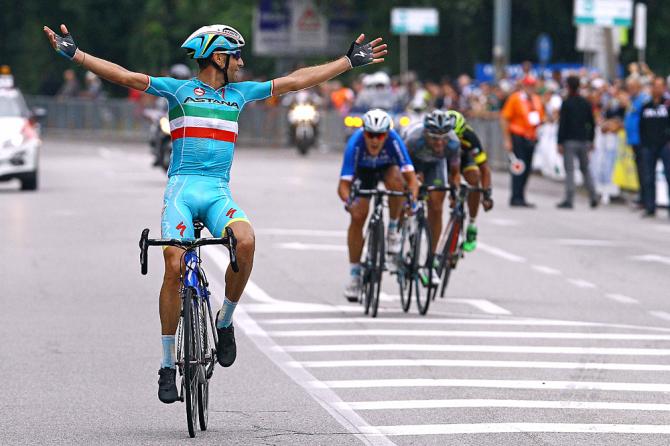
<point>203,121</point>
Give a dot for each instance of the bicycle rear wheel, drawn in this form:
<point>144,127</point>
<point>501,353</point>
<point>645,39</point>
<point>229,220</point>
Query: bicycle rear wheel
<point>190,371</point>
<point>421,267</point>
<point>378,268</point>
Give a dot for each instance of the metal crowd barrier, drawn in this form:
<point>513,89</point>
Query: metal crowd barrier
<point>260,125</point>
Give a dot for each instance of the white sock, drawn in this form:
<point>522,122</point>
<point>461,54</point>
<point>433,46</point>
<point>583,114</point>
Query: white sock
<point>225,317</point>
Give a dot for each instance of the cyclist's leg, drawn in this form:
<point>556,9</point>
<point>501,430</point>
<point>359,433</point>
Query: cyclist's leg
<point>223,213</point>
<point>368,178</point>
<point>435,174</point>
<point>177,223</point>
<point>393,181</point>
<point>472,177</point>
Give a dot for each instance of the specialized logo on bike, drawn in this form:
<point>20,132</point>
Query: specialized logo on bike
<point>212,101</point>
<point>198,91</point>
<point>231,212</point>
<point>181,227</point>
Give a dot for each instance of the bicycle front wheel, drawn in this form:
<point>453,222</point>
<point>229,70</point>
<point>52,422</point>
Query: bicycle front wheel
<point>378,268</point>
<point>421,267</point>
<point>450,256</point>
<point>203,386</point>
<point>190,362</point>
<point>404,273</point>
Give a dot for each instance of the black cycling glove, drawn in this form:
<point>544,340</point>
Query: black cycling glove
<point>359,54</point>
<point>65,46</point>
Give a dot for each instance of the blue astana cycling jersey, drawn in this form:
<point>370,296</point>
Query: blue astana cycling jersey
<point>203,122</point>
<point>356,155</point>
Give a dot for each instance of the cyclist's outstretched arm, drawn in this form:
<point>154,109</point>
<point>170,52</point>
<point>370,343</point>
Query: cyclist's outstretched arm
<point>359,54</point>
<point>112,72</point>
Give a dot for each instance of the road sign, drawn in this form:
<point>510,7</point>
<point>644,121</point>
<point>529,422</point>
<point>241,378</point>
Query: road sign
<point>544,47</point>
<point>640,26</point>
<point>415,21</point>
<point>604,12</point>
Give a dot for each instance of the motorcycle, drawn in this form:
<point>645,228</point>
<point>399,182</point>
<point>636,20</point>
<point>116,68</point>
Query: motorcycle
<point>160,140</point>
<point>303,119</point>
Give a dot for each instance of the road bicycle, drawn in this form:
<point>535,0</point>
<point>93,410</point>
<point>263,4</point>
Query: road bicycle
<point>450,245</point>
<point>415,260</point>
<point>196,332</point>
<point>373,265</point>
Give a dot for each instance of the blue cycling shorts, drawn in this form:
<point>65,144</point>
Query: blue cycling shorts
<point>189,197</point>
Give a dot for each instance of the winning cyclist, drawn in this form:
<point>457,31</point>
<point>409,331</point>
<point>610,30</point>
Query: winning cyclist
<point>435,151</point>
<point>203,119</point>
<point>475,168</point>
<point>374,153</point>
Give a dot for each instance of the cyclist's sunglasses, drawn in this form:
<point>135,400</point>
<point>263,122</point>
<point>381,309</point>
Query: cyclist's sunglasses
<point>373,135</point>
<point>438,135</point>
<point>237,54</point>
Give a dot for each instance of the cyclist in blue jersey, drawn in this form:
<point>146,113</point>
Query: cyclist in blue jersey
<point>374,153</point>
<point>203,120</point>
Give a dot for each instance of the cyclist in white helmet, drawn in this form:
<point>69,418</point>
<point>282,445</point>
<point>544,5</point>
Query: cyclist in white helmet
<point>203,120</point>
<point>374,153</point>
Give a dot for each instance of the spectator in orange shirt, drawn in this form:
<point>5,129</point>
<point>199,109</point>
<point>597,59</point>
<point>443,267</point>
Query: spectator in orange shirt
<point>520,116</point>
<point>342,98</point>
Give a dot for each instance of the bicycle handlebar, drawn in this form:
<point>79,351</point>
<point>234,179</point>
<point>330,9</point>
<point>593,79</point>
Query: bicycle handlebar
<point>228,241</point>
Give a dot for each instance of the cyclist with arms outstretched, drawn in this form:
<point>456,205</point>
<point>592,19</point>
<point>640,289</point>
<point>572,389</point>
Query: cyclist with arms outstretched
<point>203,117</point>
<point>374,153</point>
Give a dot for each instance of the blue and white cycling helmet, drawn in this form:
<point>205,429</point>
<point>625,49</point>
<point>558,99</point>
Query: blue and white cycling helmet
<point>377,121</point>
<point>208,39</point>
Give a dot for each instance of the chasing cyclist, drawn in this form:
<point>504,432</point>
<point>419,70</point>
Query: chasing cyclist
<point>374,153</point>
<point>475,168</point>
<point>203,120</point>
<point>435,151</point>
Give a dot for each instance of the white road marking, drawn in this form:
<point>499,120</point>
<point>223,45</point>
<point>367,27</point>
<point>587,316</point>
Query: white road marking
<point>483,305</point>
<point>451,321</point>
<point>652,258</point>
<point>581,283</point>
<point>491,428</point>
<point>546,270</point>
<point>301,232</point>
<point>300,307</point>
<point>105,153</point>
<point>621,298</point>
<point>586,242</point>
<point>492,384</point>
<point>500,253</point>
<point>515,404</point>
<point>661,315</point>
<point>252,290</point>
<point>468,334</point>
<point>428,321</point>
<point>475,363</point>
<point>468,348</point>
<point>328,399</point>
<point>298,246</point>
<point>504,222</point>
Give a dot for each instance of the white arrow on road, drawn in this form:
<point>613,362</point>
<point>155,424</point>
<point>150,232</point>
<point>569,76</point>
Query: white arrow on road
<point>652,258</point>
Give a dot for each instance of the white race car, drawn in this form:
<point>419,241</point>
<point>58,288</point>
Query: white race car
<point>19,139</point>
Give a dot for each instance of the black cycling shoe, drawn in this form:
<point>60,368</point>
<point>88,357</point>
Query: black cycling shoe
<point>167,389</point>
<point>226,350</point>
